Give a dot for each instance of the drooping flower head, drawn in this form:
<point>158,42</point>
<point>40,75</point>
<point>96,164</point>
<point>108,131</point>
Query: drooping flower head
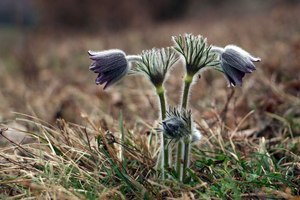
<point>111,66</point>
<point>178,124</point>
<point>196,52</point>
<point>155,64</point>
<point>235,63</point>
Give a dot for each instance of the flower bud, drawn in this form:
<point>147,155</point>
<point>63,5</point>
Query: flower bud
<point>178,124</point>
<point>155,64</point>
<point>235,63</point>
<point>111,66</point>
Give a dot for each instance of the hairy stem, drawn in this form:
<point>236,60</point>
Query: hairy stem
<point>218,50</point>
<point>165,151</point>
<point>187,84</point>
<point>186,157</point>
<point>186,148</point>
<point>179,160</point>
<point>133,58</point>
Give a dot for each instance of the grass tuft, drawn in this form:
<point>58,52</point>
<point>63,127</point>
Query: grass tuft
<point>83,162</point>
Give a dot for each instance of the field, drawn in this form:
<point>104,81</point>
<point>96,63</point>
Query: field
<point>61,134</point>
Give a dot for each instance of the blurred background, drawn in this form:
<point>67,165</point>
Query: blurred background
<point>117,15</point>
<point>44,64</point>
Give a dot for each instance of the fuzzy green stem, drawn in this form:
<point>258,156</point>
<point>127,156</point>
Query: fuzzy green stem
<point>187,84</point>
<point>179,160</point>
<point>133,58</point>
<point>186,148</point>
<point>165,151</point>
<point>161,94</point>
<point>186,157</point>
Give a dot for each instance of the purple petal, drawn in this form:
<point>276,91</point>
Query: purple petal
<point>100,54</point>
<point>94,67</point>
<point>108,62</point>
<point>242,52</point>
<point>115,79</point>
<point>99,79</point>
<point>111,65</point>
<point>111,77</point>
<point>234,76</point>
<point>238,61</point>
<point>104,77</point>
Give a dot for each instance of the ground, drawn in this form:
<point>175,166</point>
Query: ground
<point>251,134</point>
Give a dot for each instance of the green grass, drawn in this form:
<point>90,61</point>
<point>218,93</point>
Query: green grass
<point>83,162</point>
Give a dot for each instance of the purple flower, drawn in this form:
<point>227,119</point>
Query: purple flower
<point>235,63</point>
<point>111,66</point>
<point>174,128</point>
<point>179,124</point>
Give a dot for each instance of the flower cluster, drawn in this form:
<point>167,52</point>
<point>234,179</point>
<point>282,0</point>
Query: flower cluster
<point>177,125</point>
<point>234,62</point>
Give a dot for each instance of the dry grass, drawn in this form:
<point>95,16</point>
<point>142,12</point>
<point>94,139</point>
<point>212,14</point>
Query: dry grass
<point>251,142</point>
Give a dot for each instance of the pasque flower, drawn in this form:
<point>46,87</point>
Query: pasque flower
<point>155,64</point>
<point>196,52</point>
<point>111,65</point>
<point>235,63</point>
<point>174,128</point>
<point>178,124</point>
<point>197,55</point>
